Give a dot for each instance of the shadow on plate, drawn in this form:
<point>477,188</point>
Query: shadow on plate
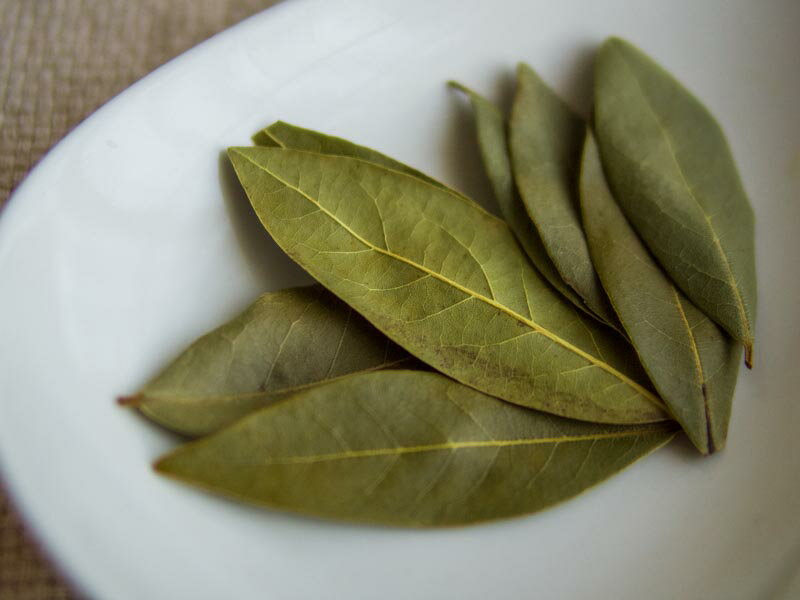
<point>577,85</point>
<point>263,256</point>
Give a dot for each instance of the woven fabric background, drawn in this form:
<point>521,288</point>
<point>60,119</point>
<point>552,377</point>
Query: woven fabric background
<point>59,61</point>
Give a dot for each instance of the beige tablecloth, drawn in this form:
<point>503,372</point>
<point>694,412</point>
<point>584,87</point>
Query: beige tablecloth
<point>59,61</point>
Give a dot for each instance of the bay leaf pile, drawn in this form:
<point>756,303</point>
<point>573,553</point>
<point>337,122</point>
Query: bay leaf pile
<point>451,366</point>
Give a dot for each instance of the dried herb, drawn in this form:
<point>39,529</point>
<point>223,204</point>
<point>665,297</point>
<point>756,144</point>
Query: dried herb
<point>285,135</point>
<point>646,229</point>
<point>492,139</point>
<point>408,448</point>
<point>545,138</point>
<point>691,361</point>
<point>444,280</point>
<point>286,341</point>
<point>672,172</point>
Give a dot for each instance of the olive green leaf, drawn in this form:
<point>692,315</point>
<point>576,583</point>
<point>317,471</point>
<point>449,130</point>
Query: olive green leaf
<point>408,448</point>
<point>545,139</point>
<point>491,129</point>
<point>285,341</point>
<point>286,135</point>
<point>691,361</point>
<point>445,280</point>
<point>263,138</point>
<point>671,171</point>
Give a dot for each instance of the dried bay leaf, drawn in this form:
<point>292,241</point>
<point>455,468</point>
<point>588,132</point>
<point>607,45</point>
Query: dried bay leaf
<point>408,448</point>
<point>490,126</point>
<point>445,280</point>
<point>672,172</point>
<point>285,341</point>
<point>545,140</point>
<point>692,362</point>
<point>286,135</point>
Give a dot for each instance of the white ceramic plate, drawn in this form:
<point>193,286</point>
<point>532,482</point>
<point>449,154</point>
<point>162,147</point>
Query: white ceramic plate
<point>131,238</point>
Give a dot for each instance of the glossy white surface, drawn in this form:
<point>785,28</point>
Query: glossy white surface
<point>130,239</point>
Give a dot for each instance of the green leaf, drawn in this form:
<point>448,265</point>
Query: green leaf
<point>409,449</point>
<point>263,138</point>
<point>445,280</point>
<point>691,361</point>
<point>286,135</point>
<point>284,342</point>
<point>671,170</point>
<point>545,138</point>
<point>491,129</point>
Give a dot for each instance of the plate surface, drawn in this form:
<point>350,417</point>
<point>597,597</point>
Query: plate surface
<point>131,238</point>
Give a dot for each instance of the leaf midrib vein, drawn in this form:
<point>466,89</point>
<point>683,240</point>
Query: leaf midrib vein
<point>698,364</point>
<point>397,450</point>
<point>535,326</point>
<point>146,398</point>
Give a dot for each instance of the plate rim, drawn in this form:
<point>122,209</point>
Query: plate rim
<point>51,548</point>
<point>60,557</point>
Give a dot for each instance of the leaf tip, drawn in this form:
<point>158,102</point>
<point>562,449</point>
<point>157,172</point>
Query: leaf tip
<point>263,138</point>
<point>161,465</point>
<point>718,446</point>
<point>134,401</point>
<point>457,86</point>
<point>713,447</point>
<point>748,355</point>
<point>614,41</point>
<point>239,154</point>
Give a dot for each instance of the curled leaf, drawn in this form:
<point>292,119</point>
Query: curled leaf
<point>545,138</point>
